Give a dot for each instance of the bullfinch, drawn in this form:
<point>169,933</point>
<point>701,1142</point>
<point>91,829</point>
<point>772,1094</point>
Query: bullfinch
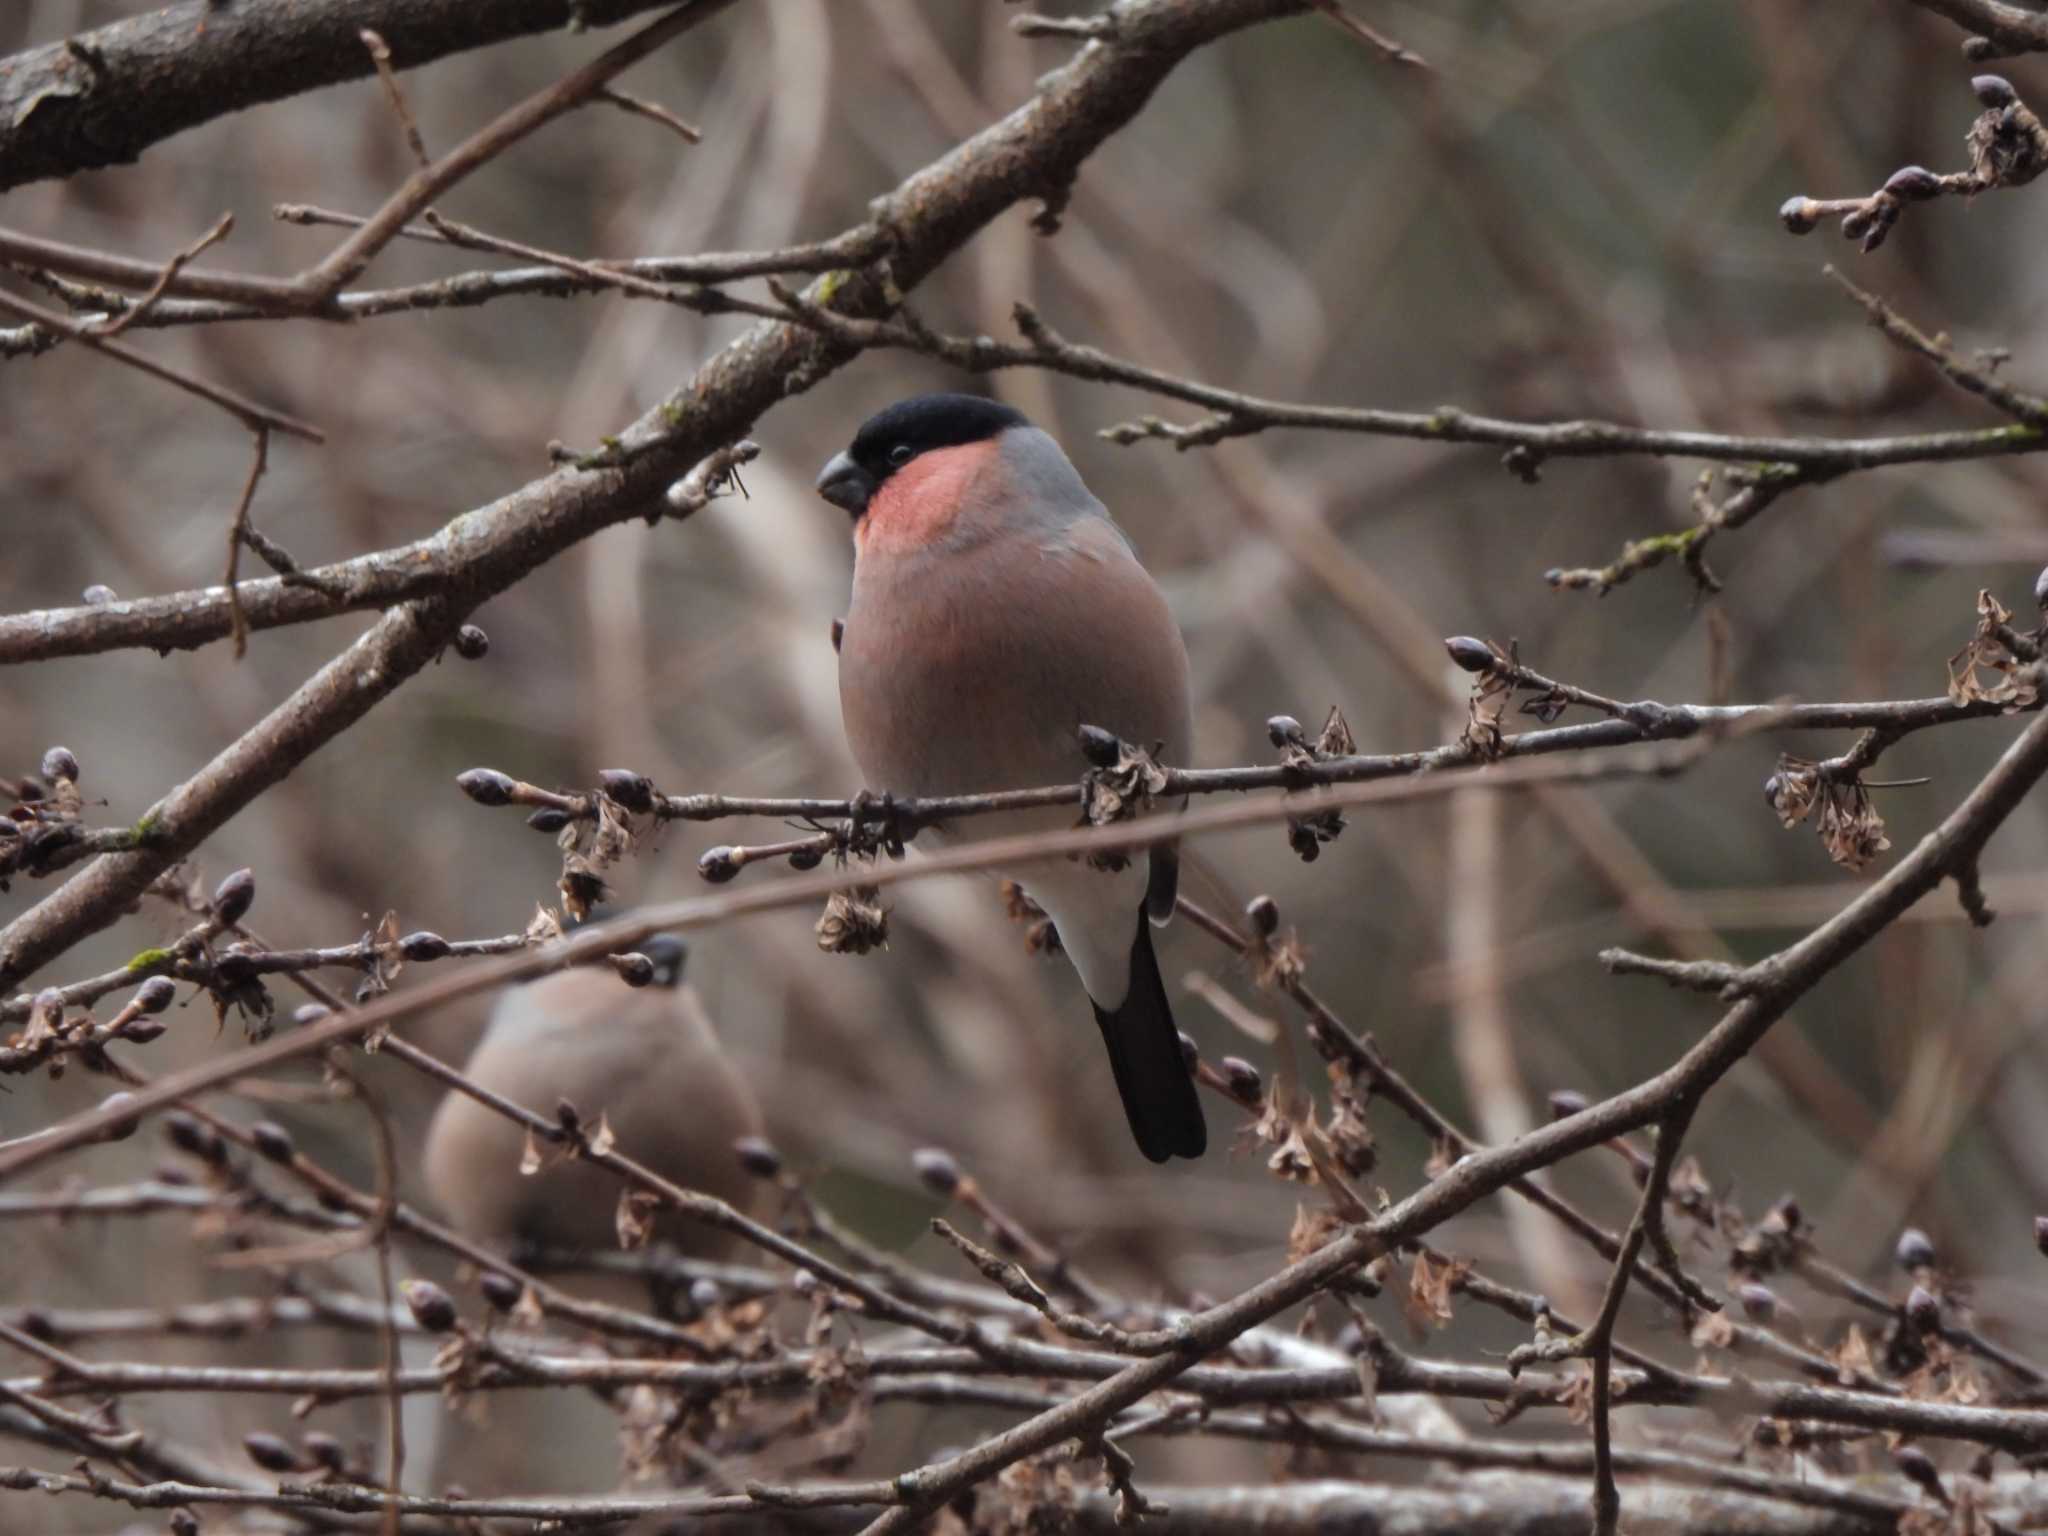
<point>644,1058</point>
<point>996,609</point>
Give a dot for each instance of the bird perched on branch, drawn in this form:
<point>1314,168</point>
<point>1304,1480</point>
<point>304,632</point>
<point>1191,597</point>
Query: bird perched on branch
<point>996,610</point>
<point>645,1059</point>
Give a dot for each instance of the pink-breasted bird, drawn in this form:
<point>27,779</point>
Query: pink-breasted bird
<point>996,610</point>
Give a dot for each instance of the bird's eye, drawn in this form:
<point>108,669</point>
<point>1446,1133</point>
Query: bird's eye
<point>900,455</point>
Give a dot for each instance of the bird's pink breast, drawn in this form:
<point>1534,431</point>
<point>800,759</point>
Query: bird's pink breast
<point>917,503</point>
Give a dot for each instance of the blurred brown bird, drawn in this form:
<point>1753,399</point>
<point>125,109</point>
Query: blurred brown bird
<point>646,1059</point>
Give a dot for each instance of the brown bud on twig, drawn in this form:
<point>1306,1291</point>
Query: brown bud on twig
<point>549,818</point>
<point>1760,1302</point>
<point>1285,731</point>
<point>937,1171</point>
<point>719,864</point>
<point>471,643</point>
<point>424,946</point>
<point>500,1289</point>
<point>323,1450</point>
<point>270,1453</point>
<point>1923,1310</point>
<point>154,995</point>
<point>310,1013</point>
<point>1474,655</point>
<point>1100,747</point>
<point>233,898</point>
<point>1914,183</point>
<point>1993,90</point>
<point>121,1129</point>
<point>1242,1078</point>
<point>194,1137</point>
<point>486,786</point>
<point>98,595</point>
<point>273,1141</point>
<point>59,763</point>
<point>432,1308</point>
<point>635,791</point>
<point>1918,1467</point>
<point>1263,913</point>
<point>704,1293</point>
<point>1785,1215</point>
<point>1915,1250</point>
<point>142,1031</point>
<point>183,1521</point>
<point>1566,1101</point>
<point>634,969</point>
<point>1800,216</point>
<point>757,1155</point>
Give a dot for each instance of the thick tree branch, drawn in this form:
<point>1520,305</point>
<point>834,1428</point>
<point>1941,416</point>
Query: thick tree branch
<point>105,96</point>
<point>1997,29</point>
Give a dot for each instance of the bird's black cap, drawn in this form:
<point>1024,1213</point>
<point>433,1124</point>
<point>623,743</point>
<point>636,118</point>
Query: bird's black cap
<point>891,438</point>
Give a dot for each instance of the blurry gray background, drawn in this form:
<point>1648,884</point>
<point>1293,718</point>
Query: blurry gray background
<point>1573,214</point>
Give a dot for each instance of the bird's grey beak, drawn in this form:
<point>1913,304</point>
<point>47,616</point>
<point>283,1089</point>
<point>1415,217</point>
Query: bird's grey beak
<point>845,484</point>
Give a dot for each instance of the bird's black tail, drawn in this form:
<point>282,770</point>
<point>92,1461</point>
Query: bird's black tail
<point>1159,1094</point>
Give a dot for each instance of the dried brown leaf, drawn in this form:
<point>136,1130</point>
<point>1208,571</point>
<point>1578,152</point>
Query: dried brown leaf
<point>635,1218</point>
<point>1314,1227</point>
<point>1714,1330</point>
<point>1427,1303</point>
<point>853,922</point>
